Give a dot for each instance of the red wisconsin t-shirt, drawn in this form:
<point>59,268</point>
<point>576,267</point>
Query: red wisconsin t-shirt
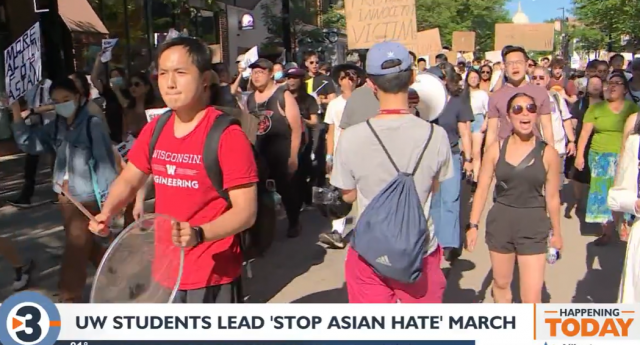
<point>184,192</point>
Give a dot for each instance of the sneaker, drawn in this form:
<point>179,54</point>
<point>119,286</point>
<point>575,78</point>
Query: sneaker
<point>19,202</point>
<point>333,239</point>
<point>23,276</point>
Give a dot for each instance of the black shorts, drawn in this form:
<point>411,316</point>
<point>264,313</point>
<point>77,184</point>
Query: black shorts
<point>523,231</point>
<point>226,293</point>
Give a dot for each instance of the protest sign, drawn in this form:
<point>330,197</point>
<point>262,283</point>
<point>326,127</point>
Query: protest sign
<point>124,147</point>
<point>534,37</point>
<point>373,21</point>
<point>428,42</point>
<point>22,64</point>
<point>153,113</point>
<point>493,56</point>
<point>107,48</point>
<point>464,41</point>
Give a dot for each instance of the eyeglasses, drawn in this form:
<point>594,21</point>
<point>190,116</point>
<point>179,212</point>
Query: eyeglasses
<point>485,72</point>
<point>514,63</point>
<point>518,109</point>
<point>258,71</point>
<point>537,77</point>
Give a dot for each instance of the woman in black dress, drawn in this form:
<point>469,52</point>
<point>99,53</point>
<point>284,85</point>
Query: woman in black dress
<point>580,178</point>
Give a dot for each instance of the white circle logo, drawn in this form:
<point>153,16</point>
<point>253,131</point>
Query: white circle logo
<point>28,323</point>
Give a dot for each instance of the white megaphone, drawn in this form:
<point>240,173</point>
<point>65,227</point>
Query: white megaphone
<point>433,96</point>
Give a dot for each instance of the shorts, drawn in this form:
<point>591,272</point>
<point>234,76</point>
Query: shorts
<point>478,121</point>
<point>225,293</point>
<point>523,231</point>
<point>364,285</point>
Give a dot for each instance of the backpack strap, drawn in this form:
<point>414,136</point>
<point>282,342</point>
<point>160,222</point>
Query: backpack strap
<point>424,149</point>
<point>386,152</point>
<point>157,130</point>
<point>88,129</point>
<point>210,152</point>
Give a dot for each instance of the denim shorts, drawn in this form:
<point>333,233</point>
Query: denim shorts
<point>477,123</point>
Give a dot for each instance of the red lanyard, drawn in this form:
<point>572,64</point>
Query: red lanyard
<point>394,111</point>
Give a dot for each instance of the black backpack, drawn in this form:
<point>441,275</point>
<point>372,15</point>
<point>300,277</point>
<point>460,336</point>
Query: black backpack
<point>254,241</point>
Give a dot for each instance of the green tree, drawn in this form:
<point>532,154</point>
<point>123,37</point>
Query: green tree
<point>463,15</point>
<point>302,14</point>
<point>334,18</point>
<point>612,18</point>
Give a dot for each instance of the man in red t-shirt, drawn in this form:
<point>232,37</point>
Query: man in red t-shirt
<point>206,227</point>
<point>560,83</point>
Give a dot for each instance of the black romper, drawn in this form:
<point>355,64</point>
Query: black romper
<point>518,221</point>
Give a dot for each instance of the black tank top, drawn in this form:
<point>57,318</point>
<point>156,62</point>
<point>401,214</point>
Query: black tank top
<point>273,140</point>
<point>521,188</point>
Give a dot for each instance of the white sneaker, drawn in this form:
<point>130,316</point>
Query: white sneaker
<point>23,276</point>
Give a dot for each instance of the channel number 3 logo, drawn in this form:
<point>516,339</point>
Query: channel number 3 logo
<point>29,321</point>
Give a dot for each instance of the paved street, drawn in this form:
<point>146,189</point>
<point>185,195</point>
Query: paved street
<point>301,270</point>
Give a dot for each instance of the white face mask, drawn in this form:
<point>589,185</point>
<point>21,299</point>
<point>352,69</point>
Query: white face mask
<point>66,109</point>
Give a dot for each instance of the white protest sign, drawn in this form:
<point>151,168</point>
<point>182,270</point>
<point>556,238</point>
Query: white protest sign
<point>124,147</point>
<point>22,64</point>
<point>493,56</point>
<point>107,48</point>
<point>153,113</point>
<point>250,57</point>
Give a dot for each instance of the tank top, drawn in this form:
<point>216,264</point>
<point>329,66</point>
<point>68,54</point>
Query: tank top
<point>273,138</point>
<point>521,188</point>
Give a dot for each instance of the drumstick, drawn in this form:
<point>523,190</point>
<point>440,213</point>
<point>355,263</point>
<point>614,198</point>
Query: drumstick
<point>77,204</point>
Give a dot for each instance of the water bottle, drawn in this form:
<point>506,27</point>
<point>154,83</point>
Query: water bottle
<point>277,199</point>
<point>552,253</point>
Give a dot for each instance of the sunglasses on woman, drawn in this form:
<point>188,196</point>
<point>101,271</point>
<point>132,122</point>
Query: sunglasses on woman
<point>485,72</point>
<point>537,77</point>
<point>518,109</point>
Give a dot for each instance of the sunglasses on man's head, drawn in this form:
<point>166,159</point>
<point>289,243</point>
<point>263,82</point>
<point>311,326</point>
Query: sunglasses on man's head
<point>518,109</point>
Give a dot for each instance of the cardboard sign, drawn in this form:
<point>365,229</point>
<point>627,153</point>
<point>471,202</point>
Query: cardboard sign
<point>533,37</point>
<point>452,57</point>
<point>153,113</point>
<point>493,56</point>
<point>373,21</point>
<point>428,42</point>
<point>124,147</point>
<point>22,64</point>
<point>464,41</point>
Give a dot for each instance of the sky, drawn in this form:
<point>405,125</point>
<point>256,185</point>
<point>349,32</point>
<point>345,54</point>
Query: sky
<point>540,10</point>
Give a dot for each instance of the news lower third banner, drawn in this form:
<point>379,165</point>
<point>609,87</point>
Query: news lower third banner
<point>31,318</point>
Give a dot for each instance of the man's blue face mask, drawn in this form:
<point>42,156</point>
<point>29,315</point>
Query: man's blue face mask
<point>476,67</point>
<point>278,75</point>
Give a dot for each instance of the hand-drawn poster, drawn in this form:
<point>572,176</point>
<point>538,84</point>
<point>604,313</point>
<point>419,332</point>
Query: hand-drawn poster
<point>463,41</point>
<point>534,37</point>
<point>373,21</point>
<point>107,49</point>
<point>153,113</point>
<point>22,64</point>
<point>428,42</point>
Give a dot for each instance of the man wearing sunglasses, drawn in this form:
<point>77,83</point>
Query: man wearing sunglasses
<point>560,117</point>
<point>498,126</point>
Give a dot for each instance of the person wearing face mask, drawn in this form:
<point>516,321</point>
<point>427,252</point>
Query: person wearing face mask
<point>606,121</point>
<point>84,169</point>
<point>113,100</point>
<point>278,74</point>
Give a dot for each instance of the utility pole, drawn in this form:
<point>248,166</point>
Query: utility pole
<point>286,30</point>
<point>563,34</point>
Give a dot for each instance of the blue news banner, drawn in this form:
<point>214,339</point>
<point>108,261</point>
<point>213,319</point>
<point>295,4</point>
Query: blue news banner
<point>271,342</point>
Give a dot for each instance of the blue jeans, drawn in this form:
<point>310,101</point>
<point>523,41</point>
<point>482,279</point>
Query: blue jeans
<point>445,208</point>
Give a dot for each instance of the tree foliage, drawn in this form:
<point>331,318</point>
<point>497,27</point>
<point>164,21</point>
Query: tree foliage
<point>301,14</point>
<point>608,18</point>
<point>334,18</point>
<point>463,15</point>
